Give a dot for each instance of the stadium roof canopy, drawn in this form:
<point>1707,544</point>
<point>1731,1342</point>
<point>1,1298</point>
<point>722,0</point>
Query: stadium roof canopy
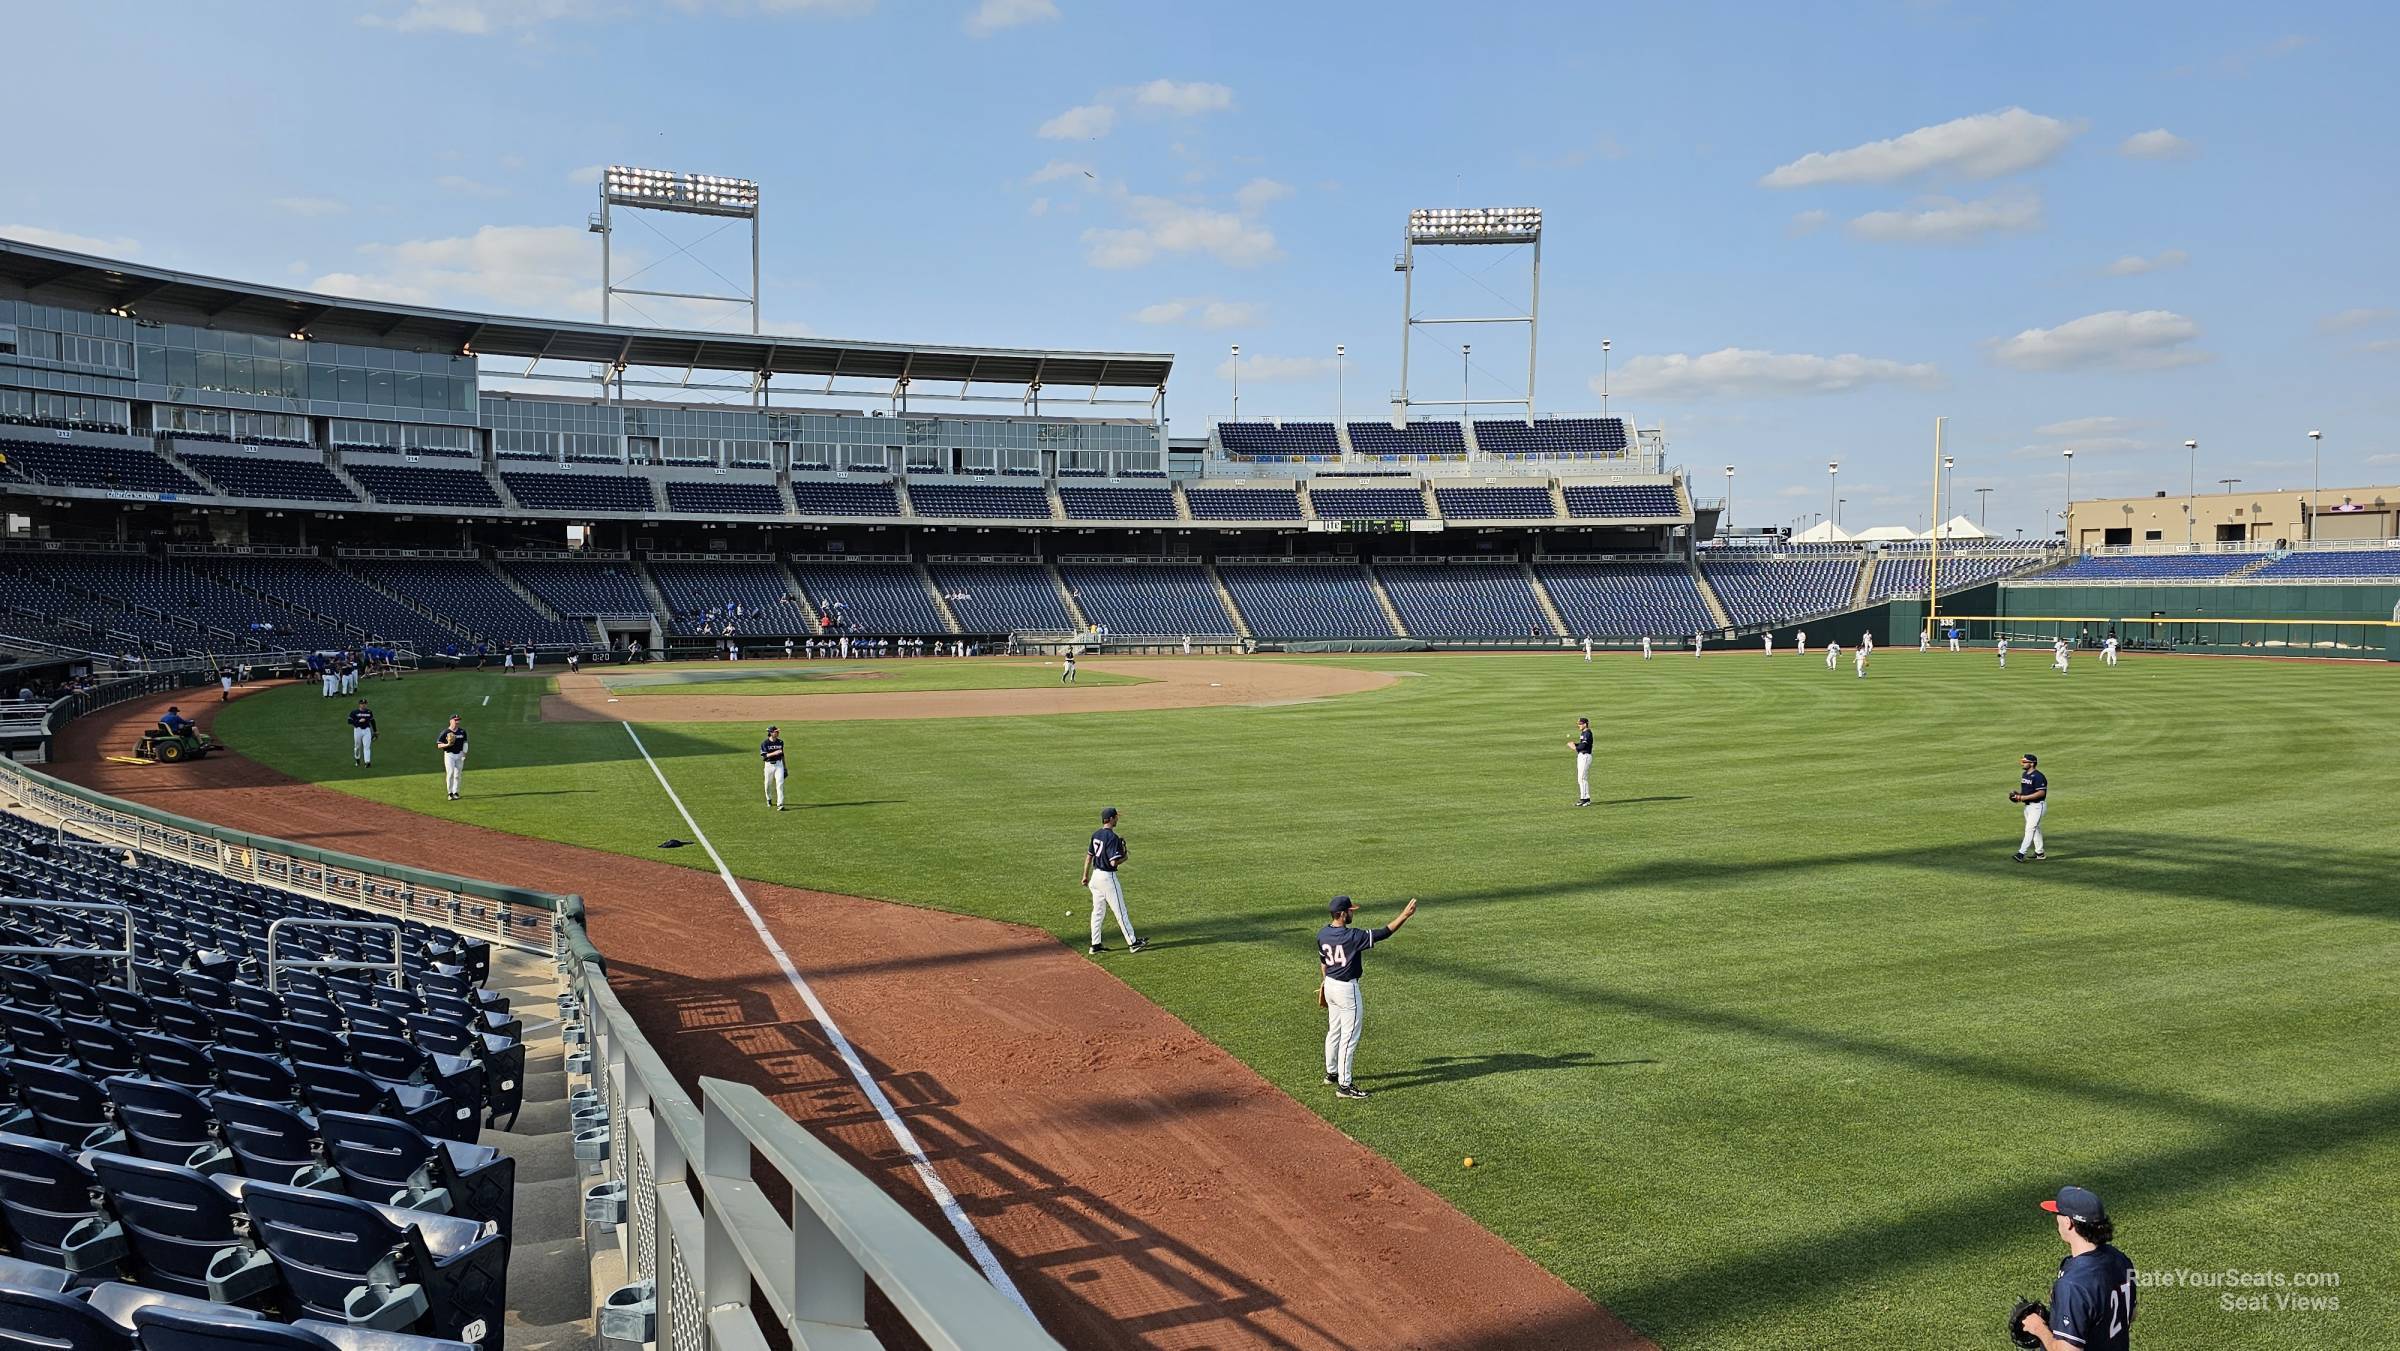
<point>47,276</point>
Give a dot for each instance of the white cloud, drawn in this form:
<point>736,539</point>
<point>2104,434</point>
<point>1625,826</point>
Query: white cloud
<point>2380,345</point>
<point>586,176</point>
<point>1262,369</point>
<point>1205,313</point>
<point>468,187</point>
<point>1807,223</point>
<point>2112,340</point>
<point>1039,206</point>
<point>993,15</point>
<point>1184,100</point>
<point>2383,459</point>
<point>1061,168</point>
<point>539,270</point>
<point>2133,265</point>
<point>2356,318</point>
<point>1254,196</point>
<point>2088,426</point>
<point>2158,143</point>
<point>1986,145</point>
<point>310,206</point>
<point>1084,122</point>
<point>1165,226</point>
<point>1946,220</point>
<point>72,243</point>
<point>476,18</point>
<point>1740,373</point>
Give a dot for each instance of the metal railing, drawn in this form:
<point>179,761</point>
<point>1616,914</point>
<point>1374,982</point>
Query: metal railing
<point>124,954</point>
<point>276,965</point>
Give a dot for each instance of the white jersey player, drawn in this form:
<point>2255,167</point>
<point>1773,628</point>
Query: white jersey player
<point>1859,658</point>
<point>1695,644</point>
<point>1769,640</point>
<point>1800,640</point>
<point>1645,647</point>
<point>2108,651</point>
<point>2058,654</point>
<point>1925,640</point>
<point>1833,654</point>
<point>1587,646</point>
<point>2001,647</point>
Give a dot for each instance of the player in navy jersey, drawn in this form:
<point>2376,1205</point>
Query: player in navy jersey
<point>1101,860</point>
<point>2033,789</point>
<point>2091,1302</point>
<point>1583,762</point>
<point>362,735</point>
<point>770,754</point>
<point>1342,958</point>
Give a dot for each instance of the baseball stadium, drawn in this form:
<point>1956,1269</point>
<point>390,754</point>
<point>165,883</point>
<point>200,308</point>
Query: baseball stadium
<point>542,834</point>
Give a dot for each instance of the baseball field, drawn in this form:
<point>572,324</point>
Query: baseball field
<point>1773,1047</point>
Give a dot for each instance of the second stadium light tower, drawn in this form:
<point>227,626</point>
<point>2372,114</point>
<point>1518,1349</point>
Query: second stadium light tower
<point>1443,226</point>
<point>685,194</point>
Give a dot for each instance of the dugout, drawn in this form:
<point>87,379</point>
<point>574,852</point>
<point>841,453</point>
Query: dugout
<point>2253,619</point>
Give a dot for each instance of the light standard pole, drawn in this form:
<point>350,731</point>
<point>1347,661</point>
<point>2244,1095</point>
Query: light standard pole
<point>2066,519</point>
<point>1340,351</point>
<point>1949,463</point>
<point>1464,351</point>
<point>1833,472</point>
<point>1237,382</point>
<point>1604,346</point>
<point>1983,507</point>
<point>2191,467</point>
<point>1729,495</point>
<point>2316,491</point>
<point>1839,503</point>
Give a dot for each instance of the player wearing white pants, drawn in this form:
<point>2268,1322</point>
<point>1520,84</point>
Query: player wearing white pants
<point>1800,640</point>
<point>1769,640</point>
<point>1954,637</point>
<point>2058,654</point>
<point>2108,651</point>
<point>1342,960</point>
<point>1695,644</point>
<point>1859,659</point>
<point>1583,762</point>
<point>1645,647</point>
<point>1833,656</point>
<point>452,743</point>
<point>1100,864</point>
<point>1925,640</point>
<point>2001,647</point>
<point>327,682</point>
<point>2033,790</point>
<point>1587,649</point>
<point>362,735</point>
<point>770,756</point>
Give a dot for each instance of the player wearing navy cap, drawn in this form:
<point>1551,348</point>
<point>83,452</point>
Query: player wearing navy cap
<point>1100,864</point>
<point>770,754</point>
<point>2091,1302</point>
<point>1342,957</point>
<point>1583,762</point>
<point>362,735</point>
<point>2033,789</point>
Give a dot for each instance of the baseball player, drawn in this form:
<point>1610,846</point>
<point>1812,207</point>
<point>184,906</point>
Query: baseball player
<point>770,754</point>
<point>2033,790</point>
<point>328,682</point>
<point>224,686</point>
<point>1859,658</point>
<point>1695,645</point>
<point>2001,646</point>
<point>1954,637</point>
<point>1833,654</point>
<point>1187,644</point>
<point>1769,640</point>
<point>1583,762</point>
<point>1866,641</point>
<point>2058,654</point>
<point>362,735</point>
<point>1342,959</point>
<point>452,743</point>
<point>1925,639</point>
<point>1587,646</point>
<point>1066,674</point>
<point>2108,649</point>
<point>2091,1301</point>
<point>1100,864</point>
<point>1800,640</point>
<point>1645,647</point>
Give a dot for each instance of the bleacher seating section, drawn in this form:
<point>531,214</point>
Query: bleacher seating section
<point>1906,574</point>
<point>1418,440</point>
<point>821,497</point>
<point>254,476</point>
<point>1625,600</point>
<point>723,497</point>
<point>170,589</point>
<point>1760,590</point>
<point>1002,597</point>
<point>471,597</point>
<point>408,485</point>
<point>1464,600</point>
<point>1551,437</point>
<point>872,598</point>
<point>93,622</point>
<point>1306,600</point>
<point>583,587</point>
<point>1243,504</point>
<point>2151,567</point>
<point>1622,499</point>
<point>314,584</point>
<point>579,492</point>
<point>1367,504</point>
<point>82,466</point>
<point>1492,503</point>
<point>1142,598</point>
<point>1289,441</point>
<point>306,1153</point>
<point>1118,504</point>
<point>695,590</point>
<point>980,499</point>
<point>2314,564</point>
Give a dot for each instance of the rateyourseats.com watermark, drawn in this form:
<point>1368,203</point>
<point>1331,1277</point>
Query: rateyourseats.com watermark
<point>2237,1291</point>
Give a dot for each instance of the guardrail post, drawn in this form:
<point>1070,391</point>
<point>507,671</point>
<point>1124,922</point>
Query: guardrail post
<point>721,1276</point>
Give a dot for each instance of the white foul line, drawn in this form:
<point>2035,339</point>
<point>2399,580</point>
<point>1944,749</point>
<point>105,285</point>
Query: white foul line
<point>487,701</point>
<point>901,1135</point>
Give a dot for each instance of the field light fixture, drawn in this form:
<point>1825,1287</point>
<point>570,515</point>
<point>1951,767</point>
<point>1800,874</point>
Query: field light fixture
<point>1475,225</point>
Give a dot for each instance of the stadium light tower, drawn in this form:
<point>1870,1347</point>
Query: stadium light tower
<point>2191,467</point>
<point>1236,365</point>
<point>1833,476</point>
<point>1605,344</point>
<point>1983,507</point>
<point>1728,521</point>
<point>2066,519</point>
<point>2316,472</point>
<point>1341,353</point>
<point>683,194</point>
<point>1445,226</point>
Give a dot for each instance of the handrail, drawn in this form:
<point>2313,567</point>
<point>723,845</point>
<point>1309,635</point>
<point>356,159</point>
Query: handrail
<point>132,981</point>
<point>276,965</point>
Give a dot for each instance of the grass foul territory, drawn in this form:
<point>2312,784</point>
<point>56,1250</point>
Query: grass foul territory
<point>1773,1046</point>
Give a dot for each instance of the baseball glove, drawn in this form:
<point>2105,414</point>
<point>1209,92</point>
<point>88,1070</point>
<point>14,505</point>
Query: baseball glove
<point>2016,1322</point>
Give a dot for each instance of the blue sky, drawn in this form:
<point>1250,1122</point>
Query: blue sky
<point>1806,229</point>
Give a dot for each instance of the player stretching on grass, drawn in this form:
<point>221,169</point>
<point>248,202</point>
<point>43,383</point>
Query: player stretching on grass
<point>1342,955</point>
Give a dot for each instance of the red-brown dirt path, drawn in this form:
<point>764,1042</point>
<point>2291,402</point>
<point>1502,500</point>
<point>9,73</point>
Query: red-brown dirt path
<point>1141,1186</point>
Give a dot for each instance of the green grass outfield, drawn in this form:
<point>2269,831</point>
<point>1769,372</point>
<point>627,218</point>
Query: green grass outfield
<point>1775,1047</point>
<point>911,676</point>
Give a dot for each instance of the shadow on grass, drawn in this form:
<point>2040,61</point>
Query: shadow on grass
<point>1450,1069</point>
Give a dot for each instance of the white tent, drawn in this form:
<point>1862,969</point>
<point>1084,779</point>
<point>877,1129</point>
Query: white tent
<point>1884,532</point>
<point>1958,527</point>
<point>1823,532</point>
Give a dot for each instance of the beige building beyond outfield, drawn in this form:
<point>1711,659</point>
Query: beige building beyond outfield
<point>2344,514</point>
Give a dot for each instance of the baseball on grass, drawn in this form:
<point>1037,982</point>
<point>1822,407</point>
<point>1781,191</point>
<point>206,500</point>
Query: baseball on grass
<point>1468,1162</point>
